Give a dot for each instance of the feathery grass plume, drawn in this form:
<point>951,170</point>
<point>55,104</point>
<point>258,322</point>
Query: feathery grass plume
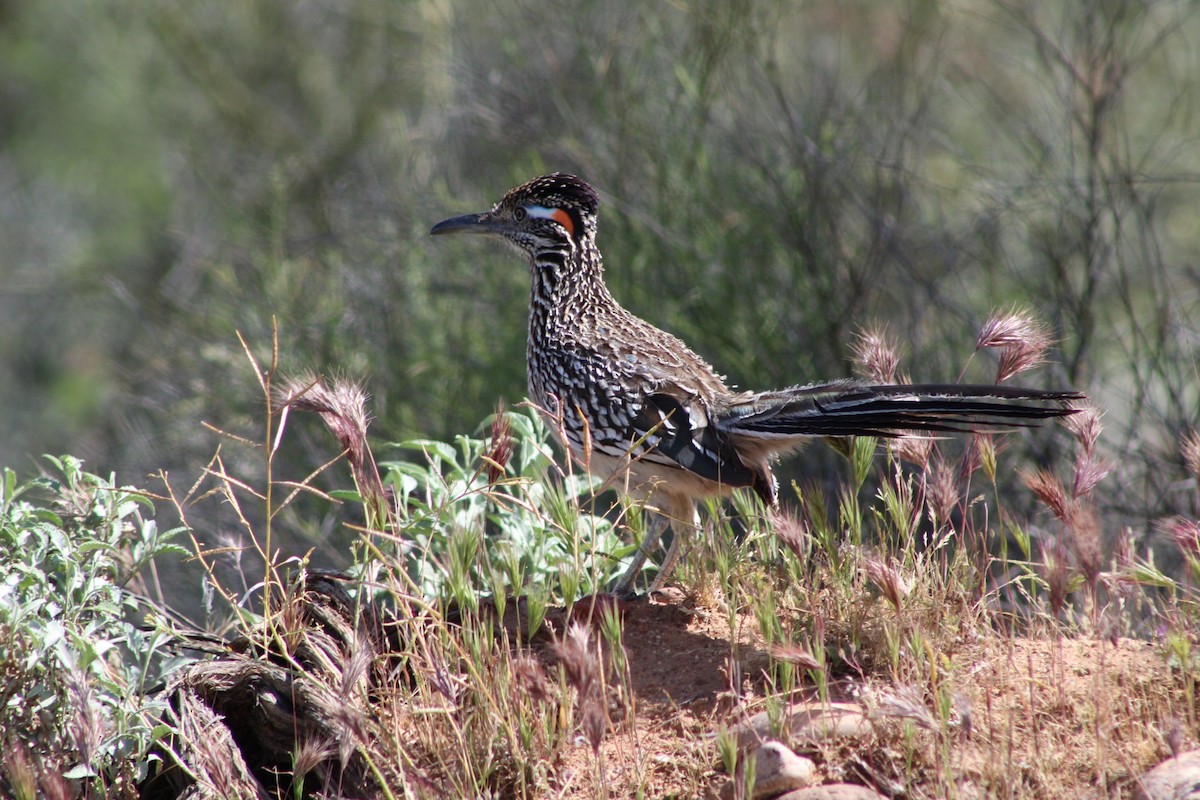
<point>1077,515</point>
<point>1021,338</point>
<point>1079,519</point>
<point>356,669</point>
<point>794,654</point>
<point>886,577</point>
<point>581,665</point>
<point>1085,531</point>
<point>1049,490</point>
<point>1090,468</point>
<point>1085,427</point>
<point>1184,533</point>
<point>532,678</point>
<point>973,457</point>
<point>1057,574</point>
<point>311,753</point>
<point>875,355</point>
<point>56,787</point>
<point>87,727</point>
<point>594,723</point>
<point>916,450</point>
<point>210,752</point>
<point>941,491</point>
<point>907,702</point>
<point>1189,448</point>
<point>19,771</point>
<point>792,531</point>
<point>964,709</point>
<point>342,406</point>
<point>500,447</point>
<point>1089,471</point>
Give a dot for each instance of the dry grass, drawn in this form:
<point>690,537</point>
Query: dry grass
<point>991,664</point>
<point>978,714</point>
<point>993,656</point>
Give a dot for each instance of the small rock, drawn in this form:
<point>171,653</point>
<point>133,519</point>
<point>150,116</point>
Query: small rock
<point>1174,779</point>
<point>669,595</point>
<point>776,770</point>
<point>808,723</point>
<point>833,791</point>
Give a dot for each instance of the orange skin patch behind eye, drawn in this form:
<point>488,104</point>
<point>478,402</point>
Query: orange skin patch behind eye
<point>564,219</point>
<point>557,214</point>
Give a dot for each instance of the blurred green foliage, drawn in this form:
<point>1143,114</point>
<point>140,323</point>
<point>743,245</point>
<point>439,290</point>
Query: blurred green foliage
<point>776,175</point>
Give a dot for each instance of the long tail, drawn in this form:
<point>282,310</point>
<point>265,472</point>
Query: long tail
<point>848,408</point>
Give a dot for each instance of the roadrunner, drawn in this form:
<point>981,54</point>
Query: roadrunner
<point>637,406</point>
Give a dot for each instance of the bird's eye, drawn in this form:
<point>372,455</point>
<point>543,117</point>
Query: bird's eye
<point>520,214</point>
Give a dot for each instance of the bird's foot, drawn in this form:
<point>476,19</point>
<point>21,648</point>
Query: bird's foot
<point>624,593</point>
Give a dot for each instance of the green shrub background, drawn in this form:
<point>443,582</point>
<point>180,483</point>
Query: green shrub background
<point>775,176</point>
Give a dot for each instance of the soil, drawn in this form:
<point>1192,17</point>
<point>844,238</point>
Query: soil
<point>1034,717</point>
<point>989,715</point>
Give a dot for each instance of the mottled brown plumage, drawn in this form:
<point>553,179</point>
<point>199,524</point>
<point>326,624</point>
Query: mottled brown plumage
<point>638,406</point>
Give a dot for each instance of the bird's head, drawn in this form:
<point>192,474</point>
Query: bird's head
<point>551,213</point>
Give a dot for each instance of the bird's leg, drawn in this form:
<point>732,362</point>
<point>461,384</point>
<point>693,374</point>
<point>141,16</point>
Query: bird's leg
<point>678,545</point>
<point>658,525</point>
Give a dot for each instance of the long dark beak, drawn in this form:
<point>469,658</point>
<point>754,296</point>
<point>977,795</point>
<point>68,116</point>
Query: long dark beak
<point>468,223</point>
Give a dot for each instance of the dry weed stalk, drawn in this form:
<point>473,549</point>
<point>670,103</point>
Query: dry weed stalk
<point>500,449</point>
<point>1075,510</point>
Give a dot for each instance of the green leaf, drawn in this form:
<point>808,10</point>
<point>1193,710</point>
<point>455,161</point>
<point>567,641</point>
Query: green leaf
<point>438,450</point>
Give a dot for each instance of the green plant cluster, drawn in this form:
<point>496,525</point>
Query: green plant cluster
<point>469,523</point>
<point>80,664</point>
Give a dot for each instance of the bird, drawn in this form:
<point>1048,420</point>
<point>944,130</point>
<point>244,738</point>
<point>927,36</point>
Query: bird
<point>639,408</point>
